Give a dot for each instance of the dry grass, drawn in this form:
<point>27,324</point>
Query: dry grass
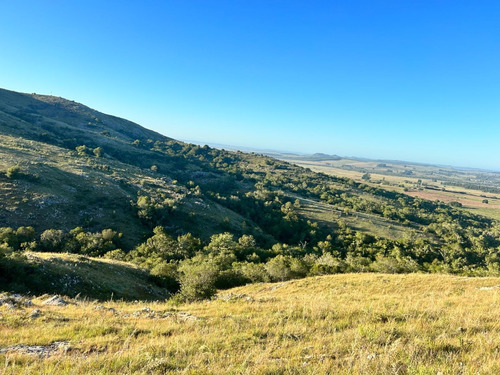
<point>342,324</point>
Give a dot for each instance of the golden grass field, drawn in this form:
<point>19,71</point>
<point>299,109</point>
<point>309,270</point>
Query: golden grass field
<point>340,324</point>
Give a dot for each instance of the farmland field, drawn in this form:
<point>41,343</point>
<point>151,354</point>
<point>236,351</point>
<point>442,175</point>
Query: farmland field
<point>445,184</point>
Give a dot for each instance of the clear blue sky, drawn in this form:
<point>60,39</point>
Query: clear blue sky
<point>407,80</point>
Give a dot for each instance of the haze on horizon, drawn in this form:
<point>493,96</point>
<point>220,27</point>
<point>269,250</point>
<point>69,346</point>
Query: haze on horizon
<point>414,81</point>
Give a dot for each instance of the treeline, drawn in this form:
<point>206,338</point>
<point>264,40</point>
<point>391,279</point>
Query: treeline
<point>194,269</point>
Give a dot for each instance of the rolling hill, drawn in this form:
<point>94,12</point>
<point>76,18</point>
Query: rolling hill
<point>76,180</point>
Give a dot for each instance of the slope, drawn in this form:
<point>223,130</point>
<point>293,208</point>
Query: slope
<point>342,324</point>
<point>66,165</point>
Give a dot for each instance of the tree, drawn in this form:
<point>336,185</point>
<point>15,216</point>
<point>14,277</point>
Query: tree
<point>98,152</point>
<point>52,240</point>
<point>197,277</point>
<point>13,172</point>
<point>279,268</point>
<point>82,150</point>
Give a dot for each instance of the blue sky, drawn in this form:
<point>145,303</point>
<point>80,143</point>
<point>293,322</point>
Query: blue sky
<point>408,80</point>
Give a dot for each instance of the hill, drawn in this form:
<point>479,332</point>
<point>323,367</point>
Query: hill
<point>76,180</point>
<point>342,324</point>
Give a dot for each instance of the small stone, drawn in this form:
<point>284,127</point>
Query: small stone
<point>35,314</point>
<point>55,301</point>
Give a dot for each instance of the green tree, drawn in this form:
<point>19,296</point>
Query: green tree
<point>197,277</point>
<point>98,152</point>
<point>13,172</point>
<point>52,240</point>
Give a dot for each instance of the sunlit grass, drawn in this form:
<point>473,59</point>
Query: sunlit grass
<point>345,324</point>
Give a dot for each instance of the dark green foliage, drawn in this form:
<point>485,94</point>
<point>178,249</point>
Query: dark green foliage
<point>197,278</point>
<point>13,172</point>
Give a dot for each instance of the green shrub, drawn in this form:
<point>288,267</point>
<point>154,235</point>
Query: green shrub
<point>254,272</point>
<point>395,265</point>
<point>166,275</point>
<point>52,240</point>
<point>327,264</point>
<point>278,268</point>
<point>357,264</point>
<point>117,254</point>
<point>13,172</point>
<point>229,279</point>
<point>197,278</point>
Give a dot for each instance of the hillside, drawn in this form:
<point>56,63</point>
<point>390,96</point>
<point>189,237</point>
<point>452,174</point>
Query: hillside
<point>340,324</point>
<point>75,180</point>
<point>94,278</point>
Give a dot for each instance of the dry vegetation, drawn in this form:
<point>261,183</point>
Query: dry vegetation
<point>341,324</point>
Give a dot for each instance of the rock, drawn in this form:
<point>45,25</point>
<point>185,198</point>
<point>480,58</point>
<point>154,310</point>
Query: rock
<point>234,297</point>
<point>55,301</point>
<point>184,316</point>
<point>35,314</point>
<point>39,350</point>
<point>101,307</point>
<point>489,287</point>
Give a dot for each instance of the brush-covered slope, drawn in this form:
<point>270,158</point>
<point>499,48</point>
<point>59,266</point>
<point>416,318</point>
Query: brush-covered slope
<point>64,165</point>
<point>340,324</point>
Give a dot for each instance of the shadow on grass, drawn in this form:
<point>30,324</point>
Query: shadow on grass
<point>88,278</point>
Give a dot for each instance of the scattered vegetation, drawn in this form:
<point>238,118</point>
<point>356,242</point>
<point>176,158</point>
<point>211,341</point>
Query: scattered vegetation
<point>199,218</point>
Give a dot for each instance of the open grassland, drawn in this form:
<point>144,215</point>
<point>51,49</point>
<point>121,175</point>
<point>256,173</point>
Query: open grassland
<point>341,324</point>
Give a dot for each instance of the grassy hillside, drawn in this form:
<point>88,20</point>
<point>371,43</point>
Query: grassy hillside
<point>71,275</point>
<point>341,324</point>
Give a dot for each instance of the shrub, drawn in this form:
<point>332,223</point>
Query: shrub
<point>117,254</point>
<point>197,278</point>
<point>298,268</point>
<point>254,272</point>
<point>357,264</point>
<point>229,279</point>
<point>278,268</point>
<point>395,265</point>
<point>166,275</point>
<point>327,264</point>
<point>98,152</point>
<point>13,172</point>
<point>52,240</point>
